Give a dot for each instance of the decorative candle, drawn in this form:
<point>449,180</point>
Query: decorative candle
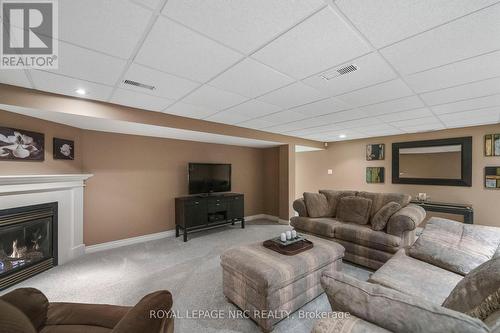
<point>288,235</point>
<point>294,234</point>
<point>283,237</point>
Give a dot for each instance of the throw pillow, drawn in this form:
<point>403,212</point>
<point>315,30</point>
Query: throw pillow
<point>381,218</point>
<point>334,197</point>
<point>478,294</point>
<point>316,204</point>
<point>354,209</point>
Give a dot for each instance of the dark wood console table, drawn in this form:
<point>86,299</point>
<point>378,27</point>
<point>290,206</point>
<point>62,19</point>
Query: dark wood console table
<point>195,213</point>
<point>441,207</point>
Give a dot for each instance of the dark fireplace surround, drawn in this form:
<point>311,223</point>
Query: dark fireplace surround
<point>28,242</point>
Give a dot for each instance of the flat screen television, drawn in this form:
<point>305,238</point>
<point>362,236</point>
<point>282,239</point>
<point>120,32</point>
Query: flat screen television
<point>209,178</point>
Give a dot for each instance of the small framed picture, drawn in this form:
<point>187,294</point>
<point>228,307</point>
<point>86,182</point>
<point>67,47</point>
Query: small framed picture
<point>488,145</point>
<point>492,145</point>
<point>21,145</point>
<point>64,149</point>
<point>375,152</point>
<point>375,175</point>
<point>492,177</point>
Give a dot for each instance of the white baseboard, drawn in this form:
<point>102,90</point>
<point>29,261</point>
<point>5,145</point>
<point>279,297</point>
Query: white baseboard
<point>129,241</point>
<point>165,234</point>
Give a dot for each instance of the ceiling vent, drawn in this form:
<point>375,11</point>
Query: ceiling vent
<point>339,71</point>
<point>138,84</point>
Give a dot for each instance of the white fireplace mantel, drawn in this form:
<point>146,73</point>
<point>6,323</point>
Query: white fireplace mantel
<point>66,190</point>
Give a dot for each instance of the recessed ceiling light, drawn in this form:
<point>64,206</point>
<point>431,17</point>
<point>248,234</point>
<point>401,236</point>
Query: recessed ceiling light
<point>81,91</point>
<point>342,136</point>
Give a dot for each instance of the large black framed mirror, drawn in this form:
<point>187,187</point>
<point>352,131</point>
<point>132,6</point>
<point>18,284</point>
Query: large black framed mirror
<point>433,162</point>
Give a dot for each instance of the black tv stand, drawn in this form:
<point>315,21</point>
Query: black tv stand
<point>207,211</point>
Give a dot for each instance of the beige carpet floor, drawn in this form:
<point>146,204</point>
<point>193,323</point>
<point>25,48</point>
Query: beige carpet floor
<point>191,271</point>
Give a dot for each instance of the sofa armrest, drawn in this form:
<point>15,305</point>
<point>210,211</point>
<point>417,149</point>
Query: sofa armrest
<point>406,219</point>
<point>102,315</point>
<point>299,206</point>
<point>372,302</point>
<point>32,302</point>
<point>347,324</point>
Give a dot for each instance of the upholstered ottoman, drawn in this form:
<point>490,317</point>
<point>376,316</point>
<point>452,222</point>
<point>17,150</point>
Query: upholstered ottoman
<point>268,286</point>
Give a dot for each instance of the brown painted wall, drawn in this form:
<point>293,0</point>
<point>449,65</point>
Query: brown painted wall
<point>49,166</point>
<point>347,159</point>
<point>270,186</point>
<point>137,178</point>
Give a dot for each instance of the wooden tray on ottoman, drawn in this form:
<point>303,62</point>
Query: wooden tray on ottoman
<point>289,250</point>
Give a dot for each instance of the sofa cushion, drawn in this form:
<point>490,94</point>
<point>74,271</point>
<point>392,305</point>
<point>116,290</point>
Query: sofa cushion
<point>13,320</point>
<point>373,303</point>
<point>456,246</point>
<point>380,199</point>
<point>381,218</point>
<point>317,205</point>
<point>334,197</point>
<point>415,277</point>
<point>347,324</point>
<point>354,209</point>
<point>364,235</point>
<point>323,226</point>
<point>478,294</point>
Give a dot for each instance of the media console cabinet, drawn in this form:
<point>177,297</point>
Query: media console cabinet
<point>195,213</point>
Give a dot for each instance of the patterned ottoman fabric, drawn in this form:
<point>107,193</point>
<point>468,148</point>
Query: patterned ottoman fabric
<point>263,282</point>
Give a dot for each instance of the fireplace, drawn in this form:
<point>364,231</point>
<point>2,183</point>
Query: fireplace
<point>28,242</point>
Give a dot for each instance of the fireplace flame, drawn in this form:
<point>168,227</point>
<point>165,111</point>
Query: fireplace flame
<point>17,252</point>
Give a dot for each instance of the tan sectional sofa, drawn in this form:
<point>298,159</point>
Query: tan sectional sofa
<point>318,214</point>
<point>448,281</point>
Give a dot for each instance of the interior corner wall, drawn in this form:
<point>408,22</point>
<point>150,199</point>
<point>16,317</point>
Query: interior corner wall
<point>286,181</point>
<point>50,130</point>
<point>347,159</point>
<point>270,181</point>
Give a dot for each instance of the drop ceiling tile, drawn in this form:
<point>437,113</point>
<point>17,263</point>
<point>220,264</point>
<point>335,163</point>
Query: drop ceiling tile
<point>469,36</point>
<point>466,91</point>
<point>361,123</point>
<point>378,130</point>
<point>339,117</point>
<point>401,104</point>
<point>384,22</point>
<point>213,98</point>
<point>283,117</point>
<point>416,122</point>
<point>244,25</point>
<point>174,49</point>
<point>227,117</point>
<point>322,41</point>
<point>88,65</point>
<point>472,118</point>
<point>284,128</point>
<point>377,93</point>
<point>112,26</point>
<point>322,107</point>
<point>63,85</point>
<point>292,95</point>
<point>372,69</point>
<point>250,78</point>
<point>189,110</point>
<point>139,100</point>
<point>422,128</point>
<point>470,104</point>
<point>166,85</point>
<point>475,69</point>
<point>254,108</point>
<point>405,115</point>
<point>314,130</point>
<point>259,124</point>
<point>152,4</point>
<point>15,77</point>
